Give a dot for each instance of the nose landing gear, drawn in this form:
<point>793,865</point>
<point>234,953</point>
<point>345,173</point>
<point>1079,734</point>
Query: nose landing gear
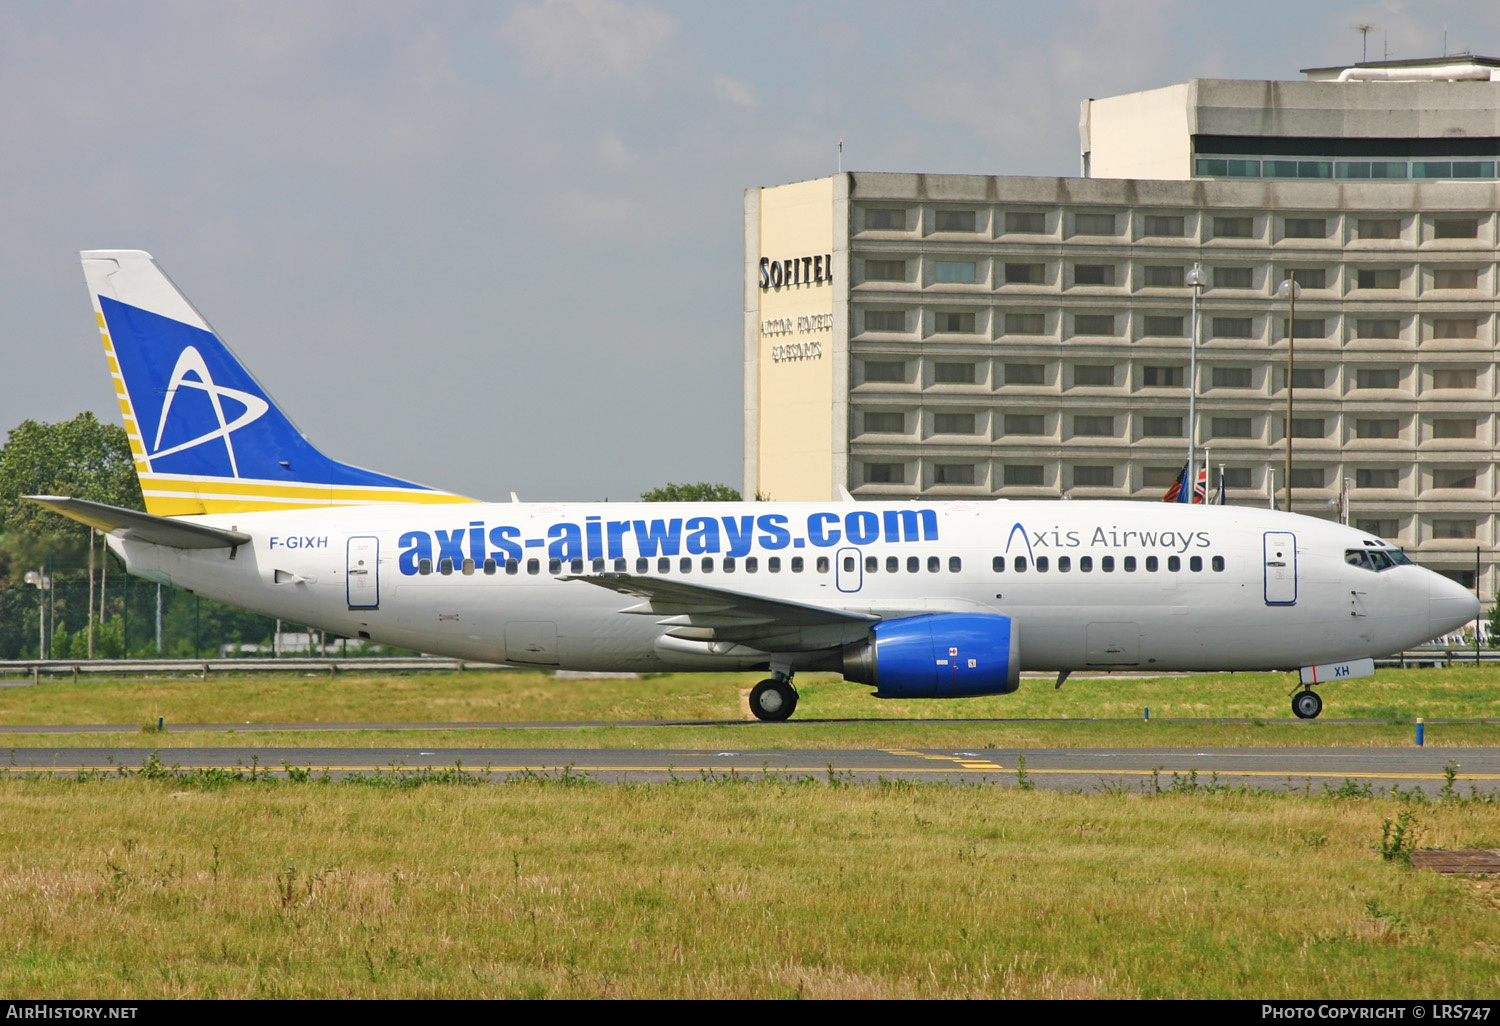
<point>775,699</point>
<point>1306,704</point>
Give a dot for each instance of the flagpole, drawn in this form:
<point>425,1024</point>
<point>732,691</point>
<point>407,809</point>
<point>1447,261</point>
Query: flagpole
<point>1196,280</point>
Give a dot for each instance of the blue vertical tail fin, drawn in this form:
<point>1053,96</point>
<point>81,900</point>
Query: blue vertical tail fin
<point>205,436</point>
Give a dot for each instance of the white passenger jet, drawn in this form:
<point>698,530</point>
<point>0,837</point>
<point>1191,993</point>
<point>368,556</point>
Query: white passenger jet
<point>933,600</point>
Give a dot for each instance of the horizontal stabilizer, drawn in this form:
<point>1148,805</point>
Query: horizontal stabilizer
<point>134,525</point>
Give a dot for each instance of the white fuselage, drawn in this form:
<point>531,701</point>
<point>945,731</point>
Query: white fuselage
<point>1157,586</point>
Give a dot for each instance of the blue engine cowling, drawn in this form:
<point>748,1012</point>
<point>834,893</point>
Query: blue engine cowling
<point>939,655</point>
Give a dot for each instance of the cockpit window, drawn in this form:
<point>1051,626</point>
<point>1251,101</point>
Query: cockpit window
<point>1376,559</point>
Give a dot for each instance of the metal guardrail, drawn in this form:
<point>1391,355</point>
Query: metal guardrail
<point>37,668</point>
<point>1440,657</point>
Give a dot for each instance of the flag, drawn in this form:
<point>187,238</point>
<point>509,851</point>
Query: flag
<point>1200,490</point>
<point>1174,494</point>
<point>1220,500</point>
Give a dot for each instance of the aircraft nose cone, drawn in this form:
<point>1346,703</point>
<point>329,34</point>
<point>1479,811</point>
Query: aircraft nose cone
<point>1449,605</point>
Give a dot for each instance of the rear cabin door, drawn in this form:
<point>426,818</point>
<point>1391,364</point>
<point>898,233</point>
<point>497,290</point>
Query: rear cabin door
<point>362,575</point>
<point>1281,568</point>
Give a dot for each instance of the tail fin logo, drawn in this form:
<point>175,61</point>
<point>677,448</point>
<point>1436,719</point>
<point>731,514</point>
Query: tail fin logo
<point>192,371</point>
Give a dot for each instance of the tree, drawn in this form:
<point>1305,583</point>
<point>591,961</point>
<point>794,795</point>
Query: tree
<point>81,458</point>
<point>702,491</point>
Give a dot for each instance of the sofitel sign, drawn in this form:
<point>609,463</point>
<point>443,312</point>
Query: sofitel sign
<point>807,270</point>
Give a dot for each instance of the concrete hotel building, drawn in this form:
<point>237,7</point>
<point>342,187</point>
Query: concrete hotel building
<point>973,336</point>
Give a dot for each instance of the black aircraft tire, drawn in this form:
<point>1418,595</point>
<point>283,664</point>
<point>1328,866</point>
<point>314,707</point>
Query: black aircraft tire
<point>1307,705</point>
<point>773,700</point>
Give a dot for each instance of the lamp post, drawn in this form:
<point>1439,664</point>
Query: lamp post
<point>1289,289</point>
<point>43,584</point>
<point>1196,279</point>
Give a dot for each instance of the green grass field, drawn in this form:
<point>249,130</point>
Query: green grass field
<point>831,713</point>
<point>159,888</point>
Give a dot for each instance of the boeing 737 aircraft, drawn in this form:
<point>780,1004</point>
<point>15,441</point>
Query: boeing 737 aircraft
<point>936,600</point>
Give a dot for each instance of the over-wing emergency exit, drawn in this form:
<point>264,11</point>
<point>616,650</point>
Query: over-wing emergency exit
<point>936,600</point>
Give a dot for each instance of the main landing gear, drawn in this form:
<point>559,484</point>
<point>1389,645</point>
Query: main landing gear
<point>775,699</point>
<point>1306,704</point>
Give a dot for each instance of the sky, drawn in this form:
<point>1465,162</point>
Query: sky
<point>497,246</point>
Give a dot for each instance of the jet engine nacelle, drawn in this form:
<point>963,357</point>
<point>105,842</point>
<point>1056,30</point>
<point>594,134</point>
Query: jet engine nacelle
<point>939,655</point>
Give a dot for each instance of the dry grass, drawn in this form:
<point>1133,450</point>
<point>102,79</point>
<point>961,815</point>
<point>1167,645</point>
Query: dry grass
<point>157,888</point>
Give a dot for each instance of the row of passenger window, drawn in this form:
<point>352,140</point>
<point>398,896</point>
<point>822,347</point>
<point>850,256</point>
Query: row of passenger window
<point>1151,564</point>
<point>821,564</point>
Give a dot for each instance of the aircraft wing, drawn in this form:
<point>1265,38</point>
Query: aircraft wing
<point>137,526</point>
<point>700,612</point>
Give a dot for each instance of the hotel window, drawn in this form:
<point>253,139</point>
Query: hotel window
<point>1093,274</point>
<point>1161,276</point>
<point>885,220</point>
<point>958,272</point>
<point>1025,324</point>
<point>1382,427</point>
<point>885,370</point>
<point>1093,477</point>
<point>1233,227</point>
<point>1161,427</point>
<point>1233,277</point>
<point>884,423</point>
<point>883,473</point>
<point>1026,222</point>
<point>1230,427</point>
<point>1377,377</point>
<point>1455,228</point>
<point>1309,477</point>
<point>1025,374</point>
<point>1094,427</point>
<point>953,423</point>
<point>885,270</point>
<point>1161,377</point>
<point>1307,277</point>
<point>1093,324</point>
<point>1307,327</point>
<point>1023,274</point>
<point>1023,475</point>
<point>1164,226</point>
<point>955,220</point>
<point>1458,427</point>
<point>1455,377</point>
<point>1379,528</point>
<point>885,320</point>
<point>1025,424</point>
<point>1306,377</point>
<point>1236,477</point>
<point>1231,377</point>
<point>1378,278</point>
<point>1377,477</point>
<point>1384,327</point>
<point>953,474</point>
<point>1165,327</point>
<point>1233,327</point>
<point>954,323</point>
<point>1093,224</point>
<point>1455,327</point>
<point>1159,477</point>
<point>1379,228</point>
<point>1094,375</point>
<point>1454,477</point>
<point>1455,278</point>
<point>953,373</point>
<point>1451,529</point>
<point>1308,427</point>
<point>1306,228</point>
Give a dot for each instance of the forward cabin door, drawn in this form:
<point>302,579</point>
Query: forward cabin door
<point>1281,568</point>
<point>362,575</point>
